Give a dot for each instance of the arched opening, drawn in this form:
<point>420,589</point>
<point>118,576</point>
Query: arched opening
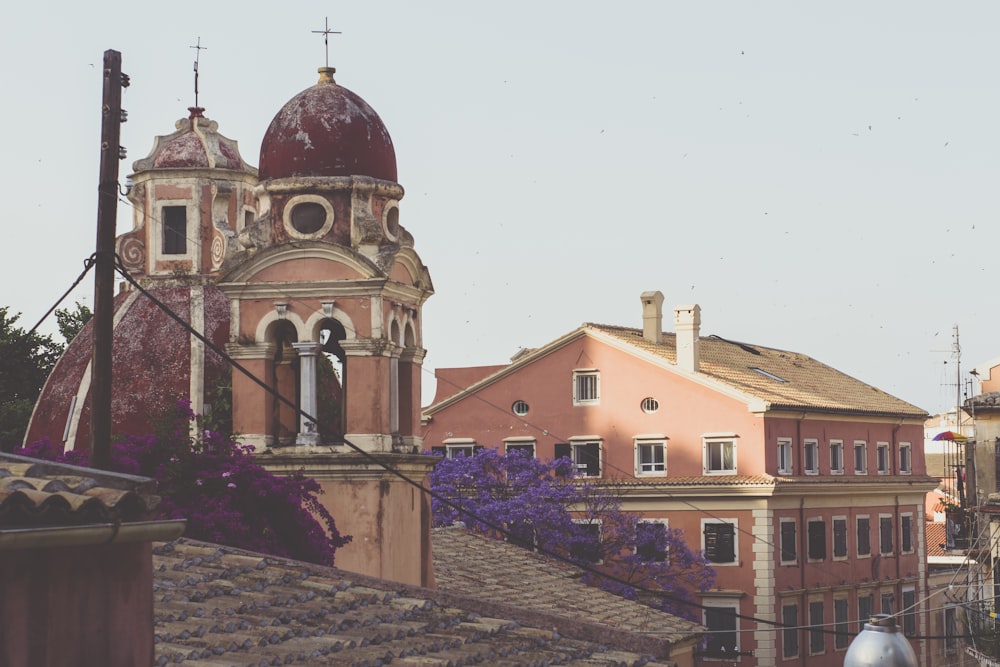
<point>284,380</point>
<point>331,382</point>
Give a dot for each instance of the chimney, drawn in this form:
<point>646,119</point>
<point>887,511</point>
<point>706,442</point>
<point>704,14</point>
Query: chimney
<point>652,316</point>
<point>687,325</point>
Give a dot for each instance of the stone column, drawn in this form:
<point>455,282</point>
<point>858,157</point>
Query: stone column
<point>308,433</point>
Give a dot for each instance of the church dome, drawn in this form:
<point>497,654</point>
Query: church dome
<point>196,144</point>
<point>327,130</point>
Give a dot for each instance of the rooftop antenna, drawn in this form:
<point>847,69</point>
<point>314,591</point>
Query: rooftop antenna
<point>326,32</point>
<point>196,110</point>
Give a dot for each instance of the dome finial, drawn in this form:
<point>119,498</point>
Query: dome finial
<point>197,58</point>
<point>326,32</point>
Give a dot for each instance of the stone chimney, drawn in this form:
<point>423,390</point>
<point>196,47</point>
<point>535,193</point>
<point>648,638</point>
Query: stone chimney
<point>652,316</point>
<point>687,325</point>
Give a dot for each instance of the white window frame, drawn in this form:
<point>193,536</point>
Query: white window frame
<point>786,463</point>
<point>578,375</point>
<point>453,446</point>
<point>781,551</point>
<point>666,525</point>
<point>520,442</point>
<point>581,468</point>
<point>837,469</point>
<point>883,461</point>
<point>863,446</point>
<point>656,440</point>
<point>807,445</point>
<point>736,539</point>
<point>709,439</point>
<point>908,468</point>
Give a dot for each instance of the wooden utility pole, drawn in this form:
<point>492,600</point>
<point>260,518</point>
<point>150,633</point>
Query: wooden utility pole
<point>112,117</point>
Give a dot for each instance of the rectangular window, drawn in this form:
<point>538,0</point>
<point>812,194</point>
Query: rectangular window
<point>810,457</point>
<point>885,534</point>
<point>905,460</point>
<point>585,543</point>
<point>950,629</point>
<point>720,456</point>
<point>866,606</point>
<point>650,457</point>
<point>817,539</point>
<point>457,447</point>
<point>790,634</point>
<point>719,540</point>
<point>882,458</point>
<point>843,631</point>
<point>586,387</point>
<point>906,533</point>
<point>839,537</point>
<point>585,454</point>
<point>651,541</point>
<point>860,457</point>
<point>722,638</point>
<point>789,541</point>
<point>909,611</point>
<point>817,633</point>
<point>864,536</point>
<point>174,230</point>
<point>785,456</point>
<point>887,600</point>
<point>527,447</point>
<point>836,457</point>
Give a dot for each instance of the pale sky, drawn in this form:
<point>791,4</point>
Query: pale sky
<point>818,178</point>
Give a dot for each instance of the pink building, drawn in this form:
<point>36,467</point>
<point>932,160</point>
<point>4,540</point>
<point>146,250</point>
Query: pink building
<point>803,486</point>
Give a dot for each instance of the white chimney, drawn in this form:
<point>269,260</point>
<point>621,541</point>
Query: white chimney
<point>687,326</point>
<point>652,316</point>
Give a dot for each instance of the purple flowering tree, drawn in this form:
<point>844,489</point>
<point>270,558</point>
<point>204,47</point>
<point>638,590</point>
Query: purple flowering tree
<point>226,497</point>
<point>542,504</point>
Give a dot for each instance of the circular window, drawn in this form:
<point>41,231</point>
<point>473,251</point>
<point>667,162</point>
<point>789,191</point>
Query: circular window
<point>391,222</point>
<point>650,405</point>
<point>308,217</point>
<point>519,408</point>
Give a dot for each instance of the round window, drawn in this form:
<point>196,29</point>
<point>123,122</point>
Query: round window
<point>519,408</point>
<point>650,405</point>
<point>392,223</point>
<point>308,217</point>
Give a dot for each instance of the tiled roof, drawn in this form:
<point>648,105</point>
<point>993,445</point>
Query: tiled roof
<point>936,535</point>
<point>221,606</point>
<point>35,494</point>
<point>467,563</point>
<point>804,382</point>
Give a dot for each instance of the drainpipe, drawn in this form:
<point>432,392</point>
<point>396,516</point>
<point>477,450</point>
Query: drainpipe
<point>94,534</point>
<point>803,550</point>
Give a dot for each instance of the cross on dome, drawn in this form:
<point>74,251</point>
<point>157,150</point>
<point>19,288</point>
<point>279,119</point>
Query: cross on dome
<point>326,32</point>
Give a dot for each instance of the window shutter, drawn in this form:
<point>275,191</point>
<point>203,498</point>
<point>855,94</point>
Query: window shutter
<point>564,451</point>
<point>817,540</point>
<point>476,449</point>
<point>720,542</point>
<point>441,450</point>
<point>885,541</point>
<point>839,538</point>
<point>788,549</point>
<point>590,456</point>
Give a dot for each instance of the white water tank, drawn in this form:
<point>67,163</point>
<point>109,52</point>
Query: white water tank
<point>880,644</point>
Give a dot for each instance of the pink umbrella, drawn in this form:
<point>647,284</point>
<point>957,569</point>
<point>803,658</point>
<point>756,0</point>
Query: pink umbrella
<point>950,435</point>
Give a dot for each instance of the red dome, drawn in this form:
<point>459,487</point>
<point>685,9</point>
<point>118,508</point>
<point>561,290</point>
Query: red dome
<point>327,130</point>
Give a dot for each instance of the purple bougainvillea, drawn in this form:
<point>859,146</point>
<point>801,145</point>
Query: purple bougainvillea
<point>541,504</point>
<point>226,497</point>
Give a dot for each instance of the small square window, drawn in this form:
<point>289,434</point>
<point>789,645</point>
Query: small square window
<point>785,465</point>
<point>836,457</point>
<point>586,387</point>
<point>650,457</point>
<point>882,458</point>
<point>720,456</point>
<point>810,457</point>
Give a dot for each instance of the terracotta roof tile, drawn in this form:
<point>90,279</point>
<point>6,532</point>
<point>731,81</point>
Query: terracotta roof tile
<point>937,537</point>
<point>807,383</point>
<point>221,606</point>
<point>44,494</point>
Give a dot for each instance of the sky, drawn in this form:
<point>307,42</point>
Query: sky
<point>819,177</point>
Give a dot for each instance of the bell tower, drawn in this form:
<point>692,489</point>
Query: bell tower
<point>326,296</point>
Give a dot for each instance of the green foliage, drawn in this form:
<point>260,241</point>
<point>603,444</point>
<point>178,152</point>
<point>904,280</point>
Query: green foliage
<point>26,359</point>
<point>70,321</point>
